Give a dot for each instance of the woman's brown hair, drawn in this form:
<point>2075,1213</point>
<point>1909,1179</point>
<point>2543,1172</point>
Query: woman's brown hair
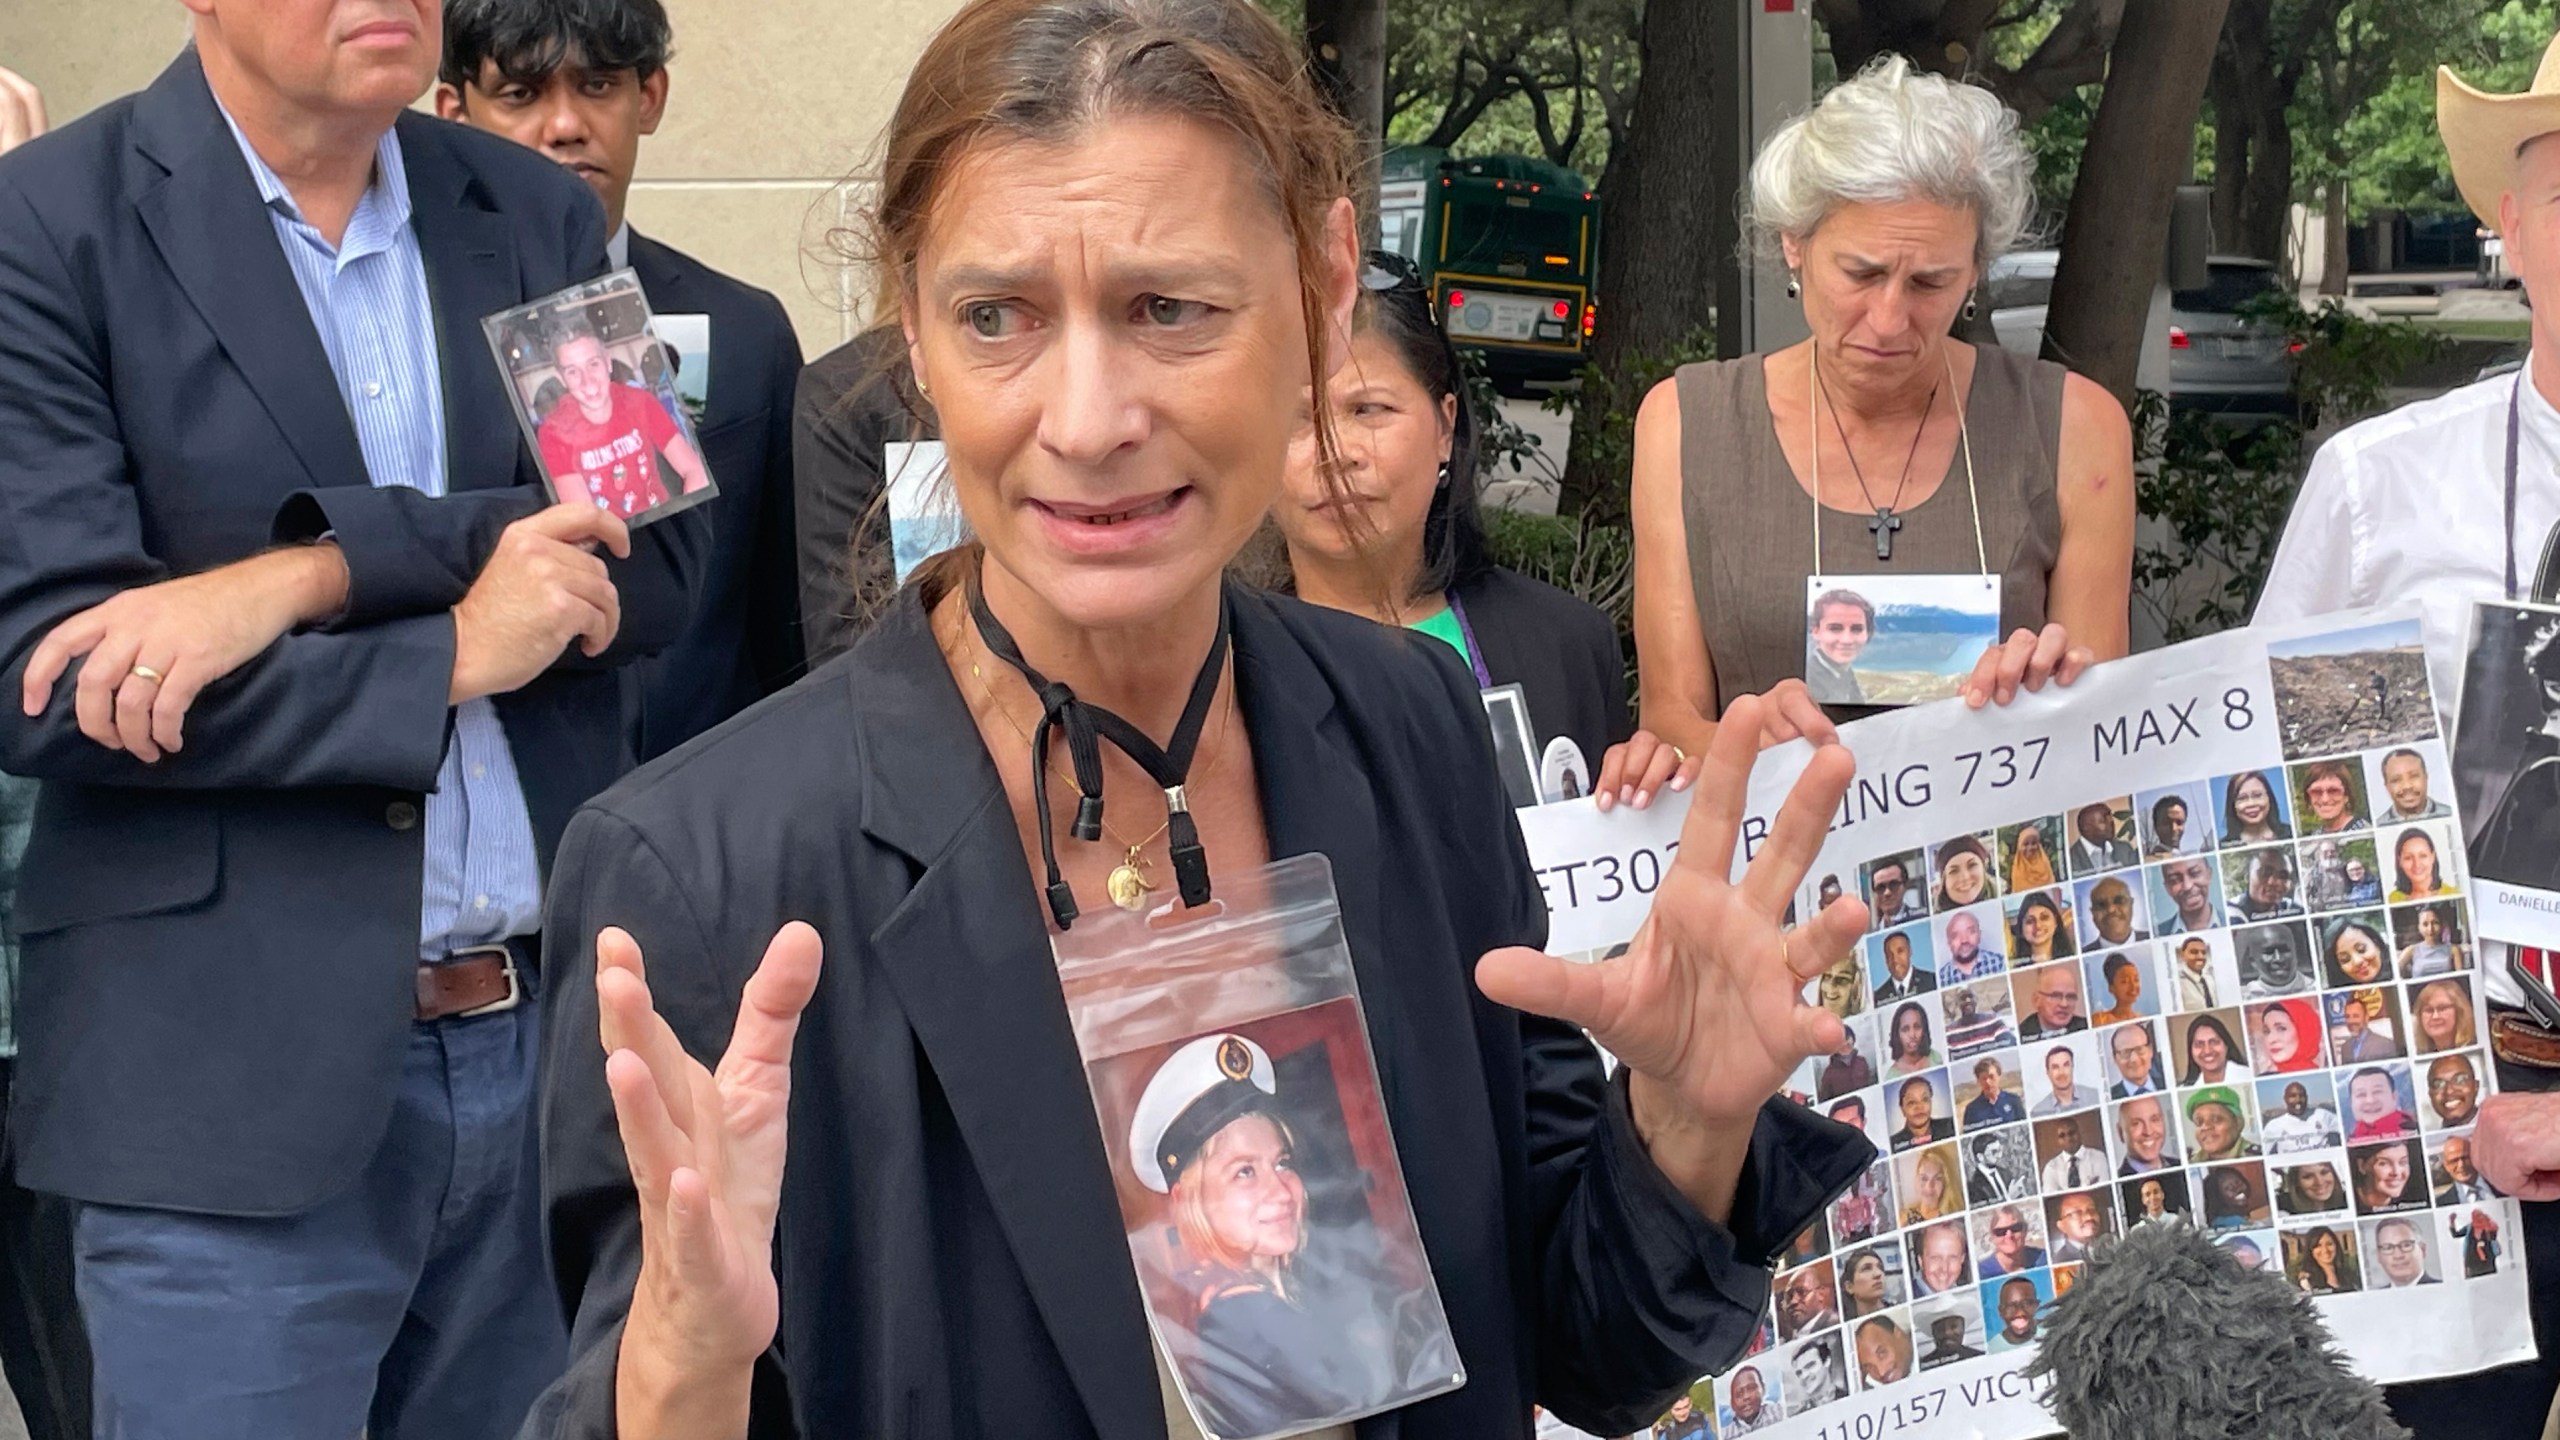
<point>1046,71</point>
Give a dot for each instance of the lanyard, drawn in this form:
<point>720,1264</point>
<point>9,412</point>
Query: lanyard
<point>1475,652</point>
<point>1086,727</point>
<point>2515,394</point>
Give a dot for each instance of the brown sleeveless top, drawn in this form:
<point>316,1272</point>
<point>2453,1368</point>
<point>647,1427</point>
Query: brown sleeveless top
<point>1751,529</point>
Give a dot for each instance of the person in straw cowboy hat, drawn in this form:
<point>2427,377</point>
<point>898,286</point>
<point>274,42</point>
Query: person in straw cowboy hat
<point>2449,501</point>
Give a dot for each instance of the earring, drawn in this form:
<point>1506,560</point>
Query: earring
<point>1444,475</point>
<point>1794,289</point>
<point>922,388</point>
<point>1971,309</point>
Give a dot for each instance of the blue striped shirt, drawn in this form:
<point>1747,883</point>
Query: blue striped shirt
<point>368,299</point>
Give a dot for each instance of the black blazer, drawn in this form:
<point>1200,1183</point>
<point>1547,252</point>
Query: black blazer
<point>1561,650</point>
<point>951,1253</point>
<point>852,403</point>
<point>744,642</point>
<point>220,949</point>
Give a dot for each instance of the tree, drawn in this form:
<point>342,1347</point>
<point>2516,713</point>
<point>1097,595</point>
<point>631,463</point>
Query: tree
<point>1956,38</point>
<point>1347,40</point>
<point>1657,259</point>
<point>2257,69</point>
<point>2141,145</point>
<point>1547,77</point>
<point>2350,64</point>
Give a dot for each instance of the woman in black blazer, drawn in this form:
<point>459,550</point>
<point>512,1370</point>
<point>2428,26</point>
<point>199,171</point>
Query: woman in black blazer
<point>943,1255</point>
<point>1408,548</point>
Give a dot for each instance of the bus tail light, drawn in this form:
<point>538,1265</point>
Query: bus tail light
<point>1457,299</point>
<point>1564,309</point>
<point>1590,318</point>
<point>2178,339</point>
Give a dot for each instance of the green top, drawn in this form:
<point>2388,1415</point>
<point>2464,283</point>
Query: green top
<point>1444,628</point>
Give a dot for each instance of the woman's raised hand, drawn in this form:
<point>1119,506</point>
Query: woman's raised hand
<point>2026,660</point>
<point>1707,1002</point>
<point>1643,764</point>
<point>706,1151</point>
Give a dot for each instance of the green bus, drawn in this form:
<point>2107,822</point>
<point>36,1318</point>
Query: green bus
<point>1511,247</point>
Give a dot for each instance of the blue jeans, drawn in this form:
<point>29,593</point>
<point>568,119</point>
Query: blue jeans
<point>413,1305</point>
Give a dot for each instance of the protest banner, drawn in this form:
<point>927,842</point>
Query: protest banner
<point>2151,949</point>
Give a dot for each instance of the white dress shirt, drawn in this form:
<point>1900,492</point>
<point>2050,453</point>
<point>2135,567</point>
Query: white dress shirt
<point>2412,506</point>
<point>2093,1163</point>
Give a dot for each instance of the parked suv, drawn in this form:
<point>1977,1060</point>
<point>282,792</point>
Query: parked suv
<point>2219,362</point>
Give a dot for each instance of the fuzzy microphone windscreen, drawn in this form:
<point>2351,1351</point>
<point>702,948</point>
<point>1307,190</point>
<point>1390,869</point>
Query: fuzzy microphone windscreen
<point>2166,1338</point>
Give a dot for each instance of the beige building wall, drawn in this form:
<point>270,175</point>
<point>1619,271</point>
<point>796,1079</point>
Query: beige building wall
<point>774,110</point>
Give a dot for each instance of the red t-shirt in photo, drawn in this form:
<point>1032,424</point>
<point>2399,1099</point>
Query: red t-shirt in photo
<point>617,461</point>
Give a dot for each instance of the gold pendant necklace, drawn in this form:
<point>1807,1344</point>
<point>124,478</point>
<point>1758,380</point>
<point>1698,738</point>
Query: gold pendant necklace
<point>1127,885</point>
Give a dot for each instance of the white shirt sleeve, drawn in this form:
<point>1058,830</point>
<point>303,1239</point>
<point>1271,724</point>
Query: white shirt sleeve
<point>2316,569</point>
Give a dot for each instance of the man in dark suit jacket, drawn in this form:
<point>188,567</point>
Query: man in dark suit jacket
<point>582,83</point>
<point>279,899</point>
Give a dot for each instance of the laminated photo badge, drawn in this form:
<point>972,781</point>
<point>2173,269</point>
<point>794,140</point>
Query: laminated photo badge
<point>602,401</point>
<point>1266,1211</point>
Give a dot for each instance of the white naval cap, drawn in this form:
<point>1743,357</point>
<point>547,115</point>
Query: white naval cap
<point>1199,1088</point>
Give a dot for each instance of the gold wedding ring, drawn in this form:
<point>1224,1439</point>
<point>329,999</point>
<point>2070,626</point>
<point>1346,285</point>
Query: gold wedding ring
<point>147,673</point>
<point>1680,755</point>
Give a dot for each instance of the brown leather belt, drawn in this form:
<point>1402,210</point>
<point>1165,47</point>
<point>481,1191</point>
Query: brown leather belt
<point>2519,1040</point>
<point>480,981</point>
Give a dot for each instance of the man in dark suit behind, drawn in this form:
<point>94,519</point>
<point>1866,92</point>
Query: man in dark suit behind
<point>582,82</point>
<point>311,680</point>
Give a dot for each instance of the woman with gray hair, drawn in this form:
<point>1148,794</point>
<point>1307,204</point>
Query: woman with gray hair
<point>1882,445</point>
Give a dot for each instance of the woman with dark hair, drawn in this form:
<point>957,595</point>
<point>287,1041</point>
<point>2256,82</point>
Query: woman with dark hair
<point>2312,1189</point>
<point>2251,813</point>
<point>1908,1049</point>
<point>2041,931</point>
<point>1121,237</point>
<point>1396,535</point>
<point>2213,1056</point>
<point>2322,1266</point>
<point>2416,867</point>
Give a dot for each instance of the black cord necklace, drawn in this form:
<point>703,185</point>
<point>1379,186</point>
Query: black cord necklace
<point>1086,726</point>
<point>1886,521</point>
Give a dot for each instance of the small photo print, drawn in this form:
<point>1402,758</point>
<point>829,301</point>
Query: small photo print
<point>1970,943</point>
<point>2251,1249</point>
<point>1871,1280</point>
<point>2262,884</point>
<point>2431,939</point>
<point>2176,820</point>
<point>1897,890</point>
<point>1902,963</point>
<point>2013,1307</point>
<point>2364,1026</point>
<point>1809,1245</point>
<point>2507,730</point>
<point>2203,971</point>
<point>1922,1108</point>
<point>2156,1197</point>
<point>1911,1040</point>
<point>2040,925</point>
<point>1748,1399</point>
<point>595,392</point>
<point>2146,1139</point>
<point>2235,1196</point>
<point>1842,988</point>
<point>1808,1301</point>
<point>1826,890</point>
<point>1977,1014</point>
<point>2112,912</point>
<point>2052,1000</point>
<point>2441,1016</point>
<point>1885,1353</point>
<point>2420,861</point>
<point>2329,798</point>
<point>2071,1153</point>
<point>686,341</point>
<point>2322,1260</point>
<point>2340,872</point>
<point>2206,1048</point>
<point>1940,1260</point>
<point>2409,782</point>
<point>1817,1374</point>
<point>2359,689</point>
<point>2286,1037</point>
<point>2481,1236</point>
<point>1864,1112</point>
<point>1563,773</point>
<point>2031,853</point>
<point>2185,896</point>
<point>2388,1177</point>
<point>2311,1187</point>
<point>1896,639</point>
<point>2403,1251</point>
<point>1950,1330</point>
<point>1262,1195</point>
<point>1865,1210</point>
<point>2354,949</point>
<point>1989,1092</point>
<point>2078,1220</point>
<point>1931,1184</point>
<point>1962,873</point>
<point>2300,1112</point>
<point>2254,809</point>
<point>2133,1059</point>
<point>2067,1075</point>
<point>2274,960</point>
<point>2102,838</point>
<point>924,515</point>
<point>2221,1125</point>
<point>2122,980</point>
<point>1850,1069</point>
<point>2454,1084</point>
<point>1999,1167</point>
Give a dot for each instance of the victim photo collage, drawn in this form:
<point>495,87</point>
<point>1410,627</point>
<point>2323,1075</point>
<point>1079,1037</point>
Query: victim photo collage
<point>2245,1003</point>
